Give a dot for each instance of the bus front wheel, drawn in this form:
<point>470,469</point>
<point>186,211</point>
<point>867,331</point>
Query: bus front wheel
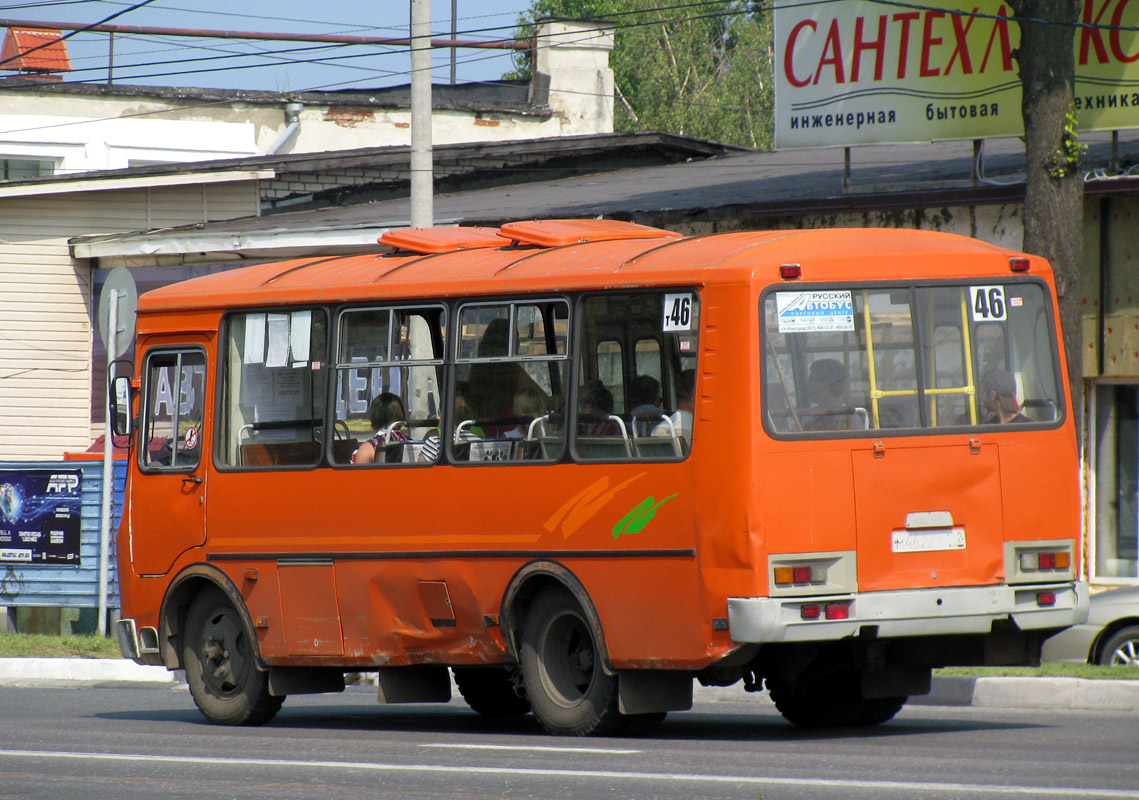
<point>561,668</point>
<point>221,669</point>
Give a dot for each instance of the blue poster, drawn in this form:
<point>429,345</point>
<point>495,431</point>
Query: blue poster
<point>40,516</point>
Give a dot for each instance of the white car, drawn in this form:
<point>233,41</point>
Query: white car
<point>1109,637</point>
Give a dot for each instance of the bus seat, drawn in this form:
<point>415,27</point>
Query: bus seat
<point>603,447</point>
<point>658,447</point>
<point>342,450</point>
<point>276,454</point>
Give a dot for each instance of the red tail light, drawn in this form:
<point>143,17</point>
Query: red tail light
<point>838,611</point>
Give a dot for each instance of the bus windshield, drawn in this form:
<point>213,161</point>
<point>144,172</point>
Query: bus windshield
<point>904,357</point>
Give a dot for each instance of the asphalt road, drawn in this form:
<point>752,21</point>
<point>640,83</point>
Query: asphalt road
<point>117,742</point>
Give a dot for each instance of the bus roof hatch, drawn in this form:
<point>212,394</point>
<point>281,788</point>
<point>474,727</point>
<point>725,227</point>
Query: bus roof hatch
<point>560,232</point>
<point>443,240</point>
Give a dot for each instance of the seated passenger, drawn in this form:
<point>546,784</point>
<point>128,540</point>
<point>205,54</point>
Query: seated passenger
<point>529,404</point>
<point>385,410</point>
<point>645,398</point>
<point>826,384</point>
<point>685,406</point>
<point>595,404</point>
<point>998,395</point>
<point>433,442</point>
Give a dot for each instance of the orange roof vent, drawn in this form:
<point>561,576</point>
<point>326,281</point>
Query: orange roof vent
<point>443,240</point>
<point>19,52</point>
<point>560,232</point>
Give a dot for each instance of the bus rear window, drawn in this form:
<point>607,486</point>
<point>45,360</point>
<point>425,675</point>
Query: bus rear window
<point>908,357</point>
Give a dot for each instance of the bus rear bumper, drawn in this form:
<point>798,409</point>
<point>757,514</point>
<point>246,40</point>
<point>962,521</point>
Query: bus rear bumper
<point>914,612</point>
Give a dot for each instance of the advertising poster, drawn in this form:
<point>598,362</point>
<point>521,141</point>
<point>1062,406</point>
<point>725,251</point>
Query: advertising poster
<point>40,516</point>
<point>858,72</point>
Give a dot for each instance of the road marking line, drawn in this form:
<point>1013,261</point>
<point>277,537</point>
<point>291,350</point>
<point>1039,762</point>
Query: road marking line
<point>537,748</point>
<point>752,780</point>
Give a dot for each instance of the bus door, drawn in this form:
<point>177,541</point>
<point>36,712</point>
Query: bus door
<point>171,480</point>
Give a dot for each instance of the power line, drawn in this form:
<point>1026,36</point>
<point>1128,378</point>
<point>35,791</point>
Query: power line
<point>80,30</point>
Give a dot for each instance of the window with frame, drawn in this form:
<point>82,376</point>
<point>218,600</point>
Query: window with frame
<point>174,399</point>
<point>274,388</point>
<point>389,383</point>
<point>907,357</point>
<point>511,373</point>
<point>643,407</point>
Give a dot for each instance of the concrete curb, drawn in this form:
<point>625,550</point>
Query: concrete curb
<point>1057,693</point>
<point>22,670</point>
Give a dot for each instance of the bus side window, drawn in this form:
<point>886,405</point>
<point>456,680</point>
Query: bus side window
<point>510,382</point>
<point>389,381</point>
<point>174,402</point>
<point>638,416</point>
<point>274,388</point>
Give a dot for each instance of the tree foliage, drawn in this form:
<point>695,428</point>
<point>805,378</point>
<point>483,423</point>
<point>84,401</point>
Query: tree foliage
<point>699,69</point>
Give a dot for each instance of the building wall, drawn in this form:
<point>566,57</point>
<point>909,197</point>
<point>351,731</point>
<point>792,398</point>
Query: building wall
<point>47,314</point>
<point>80,134</point>
<point>88,131</point>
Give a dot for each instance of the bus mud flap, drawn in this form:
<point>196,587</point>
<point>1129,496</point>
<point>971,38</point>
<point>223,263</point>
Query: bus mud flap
<point>414,684</point>
<point>899,681</point>
<point>649,691</point>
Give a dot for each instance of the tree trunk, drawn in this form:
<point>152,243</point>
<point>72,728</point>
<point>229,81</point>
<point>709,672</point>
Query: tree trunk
<point>1054,187</point>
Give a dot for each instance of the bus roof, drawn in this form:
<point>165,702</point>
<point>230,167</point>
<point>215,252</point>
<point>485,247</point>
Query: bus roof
<point>567,255</point>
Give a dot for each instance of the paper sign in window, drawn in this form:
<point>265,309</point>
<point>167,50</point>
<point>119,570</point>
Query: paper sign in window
<point>254,352</point>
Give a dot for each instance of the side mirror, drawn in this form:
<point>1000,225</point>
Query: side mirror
<point>121,419</point>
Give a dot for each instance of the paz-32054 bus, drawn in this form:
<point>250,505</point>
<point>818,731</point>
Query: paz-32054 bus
<point>581,464</point>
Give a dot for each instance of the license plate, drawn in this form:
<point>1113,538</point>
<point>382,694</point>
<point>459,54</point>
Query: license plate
<point>929,540</point>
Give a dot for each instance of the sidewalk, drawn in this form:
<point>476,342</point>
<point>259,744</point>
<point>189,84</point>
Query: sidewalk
<point>1069,693</point>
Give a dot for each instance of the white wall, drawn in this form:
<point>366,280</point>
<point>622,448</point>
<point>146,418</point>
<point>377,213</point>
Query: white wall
<point>46,308</point>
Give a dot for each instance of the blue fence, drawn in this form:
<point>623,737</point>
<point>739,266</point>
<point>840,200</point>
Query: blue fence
<point>67,586</point>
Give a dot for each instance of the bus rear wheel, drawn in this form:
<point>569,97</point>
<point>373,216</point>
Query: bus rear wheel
<point>561,667</point>
<point>221,669</point>
<point>492,691</point>
<point>832,702</point>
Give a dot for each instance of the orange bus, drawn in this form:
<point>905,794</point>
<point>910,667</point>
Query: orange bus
<point>577,465</point>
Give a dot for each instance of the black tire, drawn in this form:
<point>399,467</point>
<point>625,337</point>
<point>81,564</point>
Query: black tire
<point>221,668</point>
<point>1122,649</point>
<point>817,705</point>
<point>492,691</point>
<point>561,667</point>
<point>836,701</point>
<point>879,710</point>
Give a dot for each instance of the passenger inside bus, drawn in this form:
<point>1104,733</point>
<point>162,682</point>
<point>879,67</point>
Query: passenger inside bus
<point>998,394</point>
<point>826,384</point>
<point>645,398</point>
<point>594,407</point>
<point>385,412</point>
<point>681,419</point>
<point>492,386</point>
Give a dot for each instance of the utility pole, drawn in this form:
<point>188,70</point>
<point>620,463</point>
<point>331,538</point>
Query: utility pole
<point>422,201</point>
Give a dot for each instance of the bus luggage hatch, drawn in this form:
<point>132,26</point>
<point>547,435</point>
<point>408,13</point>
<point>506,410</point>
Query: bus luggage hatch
<point>308,605</point>
<point>928,516</point>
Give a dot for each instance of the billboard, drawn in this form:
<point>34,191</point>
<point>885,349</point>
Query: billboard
<point>857,72</point>
<point>40,516</point>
